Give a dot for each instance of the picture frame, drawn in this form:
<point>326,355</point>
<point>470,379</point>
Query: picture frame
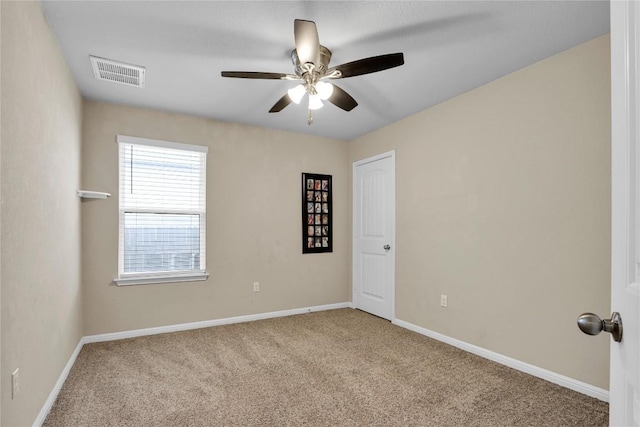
<point>317,213</point>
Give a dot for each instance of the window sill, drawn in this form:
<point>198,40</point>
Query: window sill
<point>166,278</point>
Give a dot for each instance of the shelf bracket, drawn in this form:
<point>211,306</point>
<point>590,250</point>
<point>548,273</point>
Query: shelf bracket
<point>86,194</point>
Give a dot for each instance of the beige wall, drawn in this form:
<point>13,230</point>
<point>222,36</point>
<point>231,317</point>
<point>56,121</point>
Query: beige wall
<point>253,222</point>
<point>40,250</point>
<point>503,204</point>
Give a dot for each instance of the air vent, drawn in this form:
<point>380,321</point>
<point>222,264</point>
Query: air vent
<point>117,72</point>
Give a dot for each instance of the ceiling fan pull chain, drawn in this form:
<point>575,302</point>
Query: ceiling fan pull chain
<point>310,118</point>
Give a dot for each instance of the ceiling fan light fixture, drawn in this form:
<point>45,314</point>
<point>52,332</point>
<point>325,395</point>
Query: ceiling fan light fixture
<point>324,90</point>
<point>296,93</point>
<point>315,103</point>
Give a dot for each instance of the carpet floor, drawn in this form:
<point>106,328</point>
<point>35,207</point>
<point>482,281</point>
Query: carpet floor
<point>333,368</point>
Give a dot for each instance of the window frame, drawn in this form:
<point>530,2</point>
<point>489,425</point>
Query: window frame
<point>160,276</point>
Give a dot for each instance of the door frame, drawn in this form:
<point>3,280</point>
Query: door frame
<point>392,155</point>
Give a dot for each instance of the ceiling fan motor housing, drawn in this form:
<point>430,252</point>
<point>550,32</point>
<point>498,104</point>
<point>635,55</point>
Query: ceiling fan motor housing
<point>320,69</point>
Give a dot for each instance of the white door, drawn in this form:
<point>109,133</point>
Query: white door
<point>624,384</point>
<point>373,235</point>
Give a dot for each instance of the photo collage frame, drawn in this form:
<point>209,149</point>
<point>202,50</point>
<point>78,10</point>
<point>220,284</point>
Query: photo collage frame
<point>317,211</point>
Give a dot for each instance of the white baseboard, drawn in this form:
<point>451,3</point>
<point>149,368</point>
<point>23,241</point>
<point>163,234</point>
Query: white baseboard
<point>56,388</point>
<point>208,323</point>
<point>550,376</point>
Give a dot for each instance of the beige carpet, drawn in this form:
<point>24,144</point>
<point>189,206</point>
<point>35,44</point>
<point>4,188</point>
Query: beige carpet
<point>333,368</point>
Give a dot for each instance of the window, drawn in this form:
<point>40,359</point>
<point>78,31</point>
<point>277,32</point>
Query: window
<point>162,211</point>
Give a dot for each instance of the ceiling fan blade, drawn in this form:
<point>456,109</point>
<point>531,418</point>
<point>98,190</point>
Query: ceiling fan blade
<point>254,75</point>
<point>307,41</point>
<point>370,65</point>
<point>342,99</point>
<point>282,102</point>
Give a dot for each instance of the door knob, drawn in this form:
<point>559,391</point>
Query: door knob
<point>591,324</point>
<point>386,247</point>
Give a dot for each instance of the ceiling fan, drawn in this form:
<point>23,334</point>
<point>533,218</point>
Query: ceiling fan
<point>311,68</point>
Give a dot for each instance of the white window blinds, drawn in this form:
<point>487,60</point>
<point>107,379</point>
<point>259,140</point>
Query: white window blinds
<point>162,207</point>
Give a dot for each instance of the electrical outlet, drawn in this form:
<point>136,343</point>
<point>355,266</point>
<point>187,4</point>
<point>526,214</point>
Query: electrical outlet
<point>443,301</point>
<point>256,286</point>
<point>15,383</point>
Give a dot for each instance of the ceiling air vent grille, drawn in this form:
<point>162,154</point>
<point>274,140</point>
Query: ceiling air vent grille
<point>117,72</point>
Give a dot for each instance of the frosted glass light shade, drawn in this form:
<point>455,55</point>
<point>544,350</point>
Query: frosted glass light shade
<point>324,90</point>
<point>314,102</point>
<point>296,93</point>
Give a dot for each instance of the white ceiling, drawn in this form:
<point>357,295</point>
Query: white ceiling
<point>449,47</point>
